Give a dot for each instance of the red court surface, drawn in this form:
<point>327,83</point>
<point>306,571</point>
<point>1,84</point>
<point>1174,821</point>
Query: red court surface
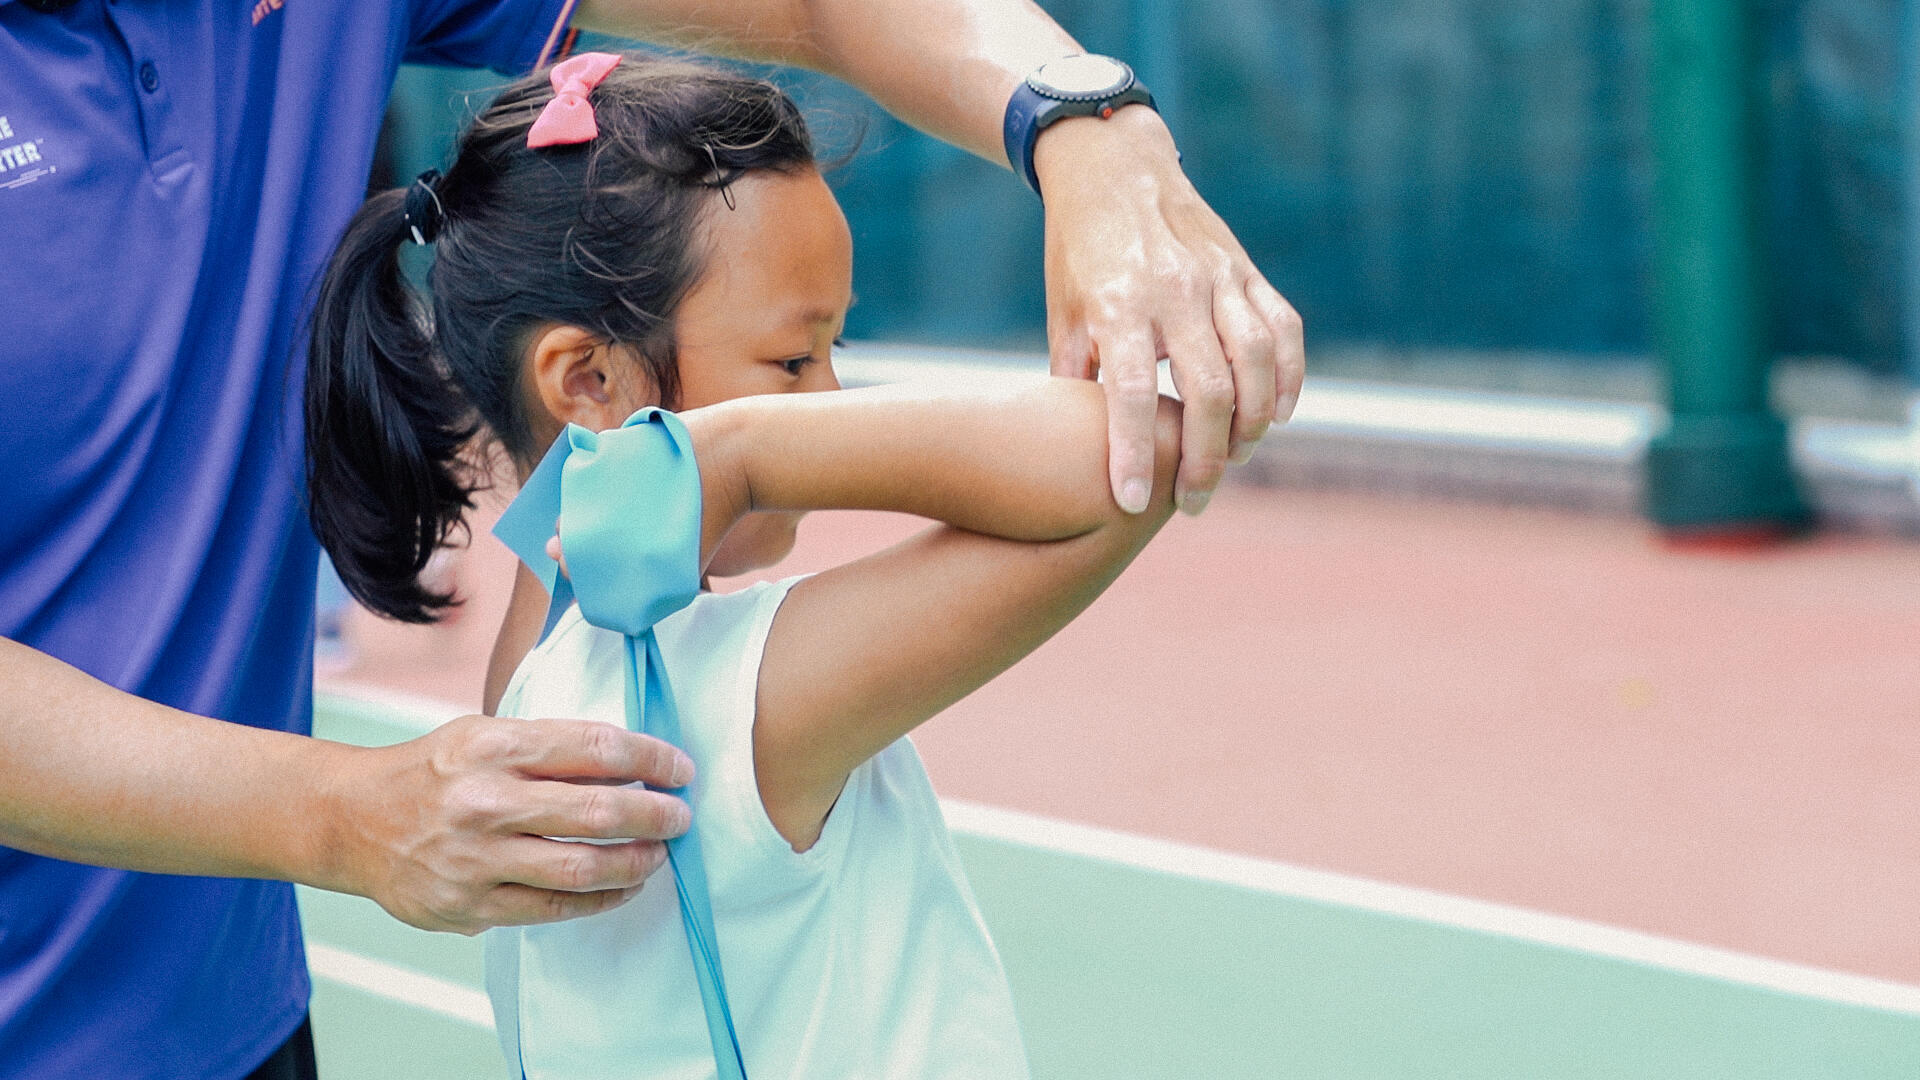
<point>1518,705</point>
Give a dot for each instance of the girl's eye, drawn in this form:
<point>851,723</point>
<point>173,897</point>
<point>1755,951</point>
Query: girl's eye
<point>796,364</point>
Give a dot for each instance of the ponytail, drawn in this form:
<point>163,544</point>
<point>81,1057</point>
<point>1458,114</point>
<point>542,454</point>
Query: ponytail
<point>386,484</point>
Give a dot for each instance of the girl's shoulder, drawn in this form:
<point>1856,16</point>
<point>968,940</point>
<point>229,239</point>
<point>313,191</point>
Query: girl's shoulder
<point>710,648</point>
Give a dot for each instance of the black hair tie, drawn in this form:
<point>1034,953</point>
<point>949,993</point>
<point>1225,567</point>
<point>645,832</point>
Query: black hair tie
<point>422,214</point>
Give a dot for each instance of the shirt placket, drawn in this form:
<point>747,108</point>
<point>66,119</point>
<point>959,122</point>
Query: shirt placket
<point>142,29</point>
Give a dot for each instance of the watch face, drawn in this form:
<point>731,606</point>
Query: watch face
<point>1082,78</point>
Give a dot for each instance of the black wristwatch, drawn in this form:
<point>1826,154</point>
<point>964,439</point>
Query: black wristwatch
<point>1084,85</point>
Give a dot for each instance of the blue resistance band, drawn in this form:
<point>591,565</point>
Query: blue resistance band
<point>628,504</point>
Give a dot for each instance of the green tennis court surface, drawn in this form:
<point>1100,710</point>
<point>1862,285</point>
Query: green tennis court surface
<point>1128,966</point>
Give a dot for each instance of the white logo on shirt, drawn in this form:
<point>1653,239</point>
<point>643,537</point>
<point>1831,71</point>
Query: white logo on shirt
<point>19,162</point>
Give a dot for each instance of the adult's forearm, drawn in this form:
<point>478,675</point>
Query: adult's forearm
<point>91,774</point>
<point>1023,462</point>
<point>945,66</point>
<point>444,831</point>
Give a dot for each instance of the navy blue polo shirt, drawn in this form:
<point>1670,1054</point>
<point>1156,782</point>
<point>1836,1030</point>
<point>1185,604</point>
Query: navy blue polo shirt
<point>173,173</point>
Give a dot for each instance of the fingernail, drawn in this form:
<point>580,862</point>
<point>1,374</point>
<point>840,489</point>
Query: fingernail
<point>1195,502</point>
<point>682,770</point>
<point>1241,454</point>
<point>1283,409</point>
<point>1134,495</point>
<point>682,819</point>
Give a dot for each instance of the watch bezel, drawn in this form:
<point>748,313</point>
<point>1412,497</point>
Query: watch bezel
<point>1038,85</point>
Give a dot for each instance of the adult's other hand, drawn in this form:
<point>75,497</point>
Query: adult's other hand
<point>450,831</point>
<point>1138,268</point>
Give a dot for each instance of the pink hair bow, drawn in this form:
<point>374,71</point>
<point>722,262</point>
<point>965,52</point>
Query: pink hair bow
<point>568,118</point>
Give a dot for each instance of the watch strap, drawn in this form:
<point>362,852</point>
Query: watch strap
<point>1029,112</point>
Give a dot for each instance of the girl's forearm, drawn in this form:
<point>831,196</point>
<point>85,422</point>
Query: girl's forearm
<point>1027,462</point>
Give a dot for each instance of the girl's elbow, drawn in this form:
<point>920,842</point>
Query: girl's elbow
<point>1167,433</point>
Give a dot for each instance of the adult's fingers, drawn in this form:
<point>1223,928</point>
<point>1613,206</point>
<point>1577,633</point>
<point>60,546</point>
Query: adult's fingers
<point>1249,348</point>
<point>554,808</point>
<point>574,867</point>
<point>583,749</point>
<point>1289,344</point>
<point>1205,382</point>
<point>514,904</point>
<point>1129,369</point>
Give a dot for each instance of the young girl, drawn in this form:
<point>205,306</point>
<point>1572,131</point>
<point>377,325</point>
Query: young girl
<point>676,246</point>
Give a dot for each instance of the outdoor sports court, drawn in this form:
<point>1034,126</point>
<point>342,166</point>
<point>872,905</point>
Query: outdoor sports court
<point>1426,789</point>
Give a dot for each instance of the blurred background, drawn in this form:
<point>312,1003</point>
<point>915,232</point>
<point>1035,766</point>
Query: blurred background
<point>1545,699</point>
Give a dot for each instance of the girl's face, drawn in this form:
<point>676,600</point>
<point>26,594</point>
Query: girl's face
<point>763,319</point>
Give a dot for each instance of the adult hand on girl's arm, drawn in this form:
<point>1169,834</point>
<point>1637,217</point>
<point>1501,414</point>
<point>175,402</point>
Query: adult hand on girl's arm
<point>446,831</point>
<point>1138,266</point>
<point>449,831</point>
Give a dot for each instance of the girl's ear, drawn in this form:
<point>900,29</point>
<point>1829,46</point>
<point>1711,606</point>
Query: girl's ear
<point>579,379</point>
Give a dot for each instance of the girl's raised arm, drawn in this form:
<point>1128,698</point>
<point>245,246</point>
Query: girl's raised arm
<point>861,654</point>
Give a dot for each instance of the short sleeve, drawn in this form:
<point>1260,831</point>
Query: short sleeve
<point>505,35</point>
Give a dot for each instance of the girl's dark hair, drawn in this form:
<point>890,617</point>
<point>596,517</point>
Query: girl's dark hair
<point>601,235</point>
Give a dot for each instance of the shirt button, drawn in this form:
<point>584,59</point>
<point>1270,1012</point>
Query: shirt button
<point>149,76</point>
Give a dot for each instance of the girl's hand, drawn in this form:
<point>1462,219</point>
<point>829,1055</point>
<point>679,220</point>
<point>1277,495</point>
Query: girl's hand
<point>1138,267</point>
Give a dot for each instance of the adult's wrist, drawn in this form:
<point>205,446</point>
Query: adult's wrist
<point>1132,143</point>
<point>329,852</point>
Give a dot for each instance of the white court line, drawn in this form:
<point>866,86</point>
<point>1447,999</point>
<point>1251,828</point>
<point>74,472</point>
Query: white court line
<point>453,1000</point>
<point>1282,879</point>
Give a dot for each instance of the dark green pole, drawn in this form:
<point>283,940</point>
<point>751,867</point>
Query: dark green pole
<point>1722,465</point>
